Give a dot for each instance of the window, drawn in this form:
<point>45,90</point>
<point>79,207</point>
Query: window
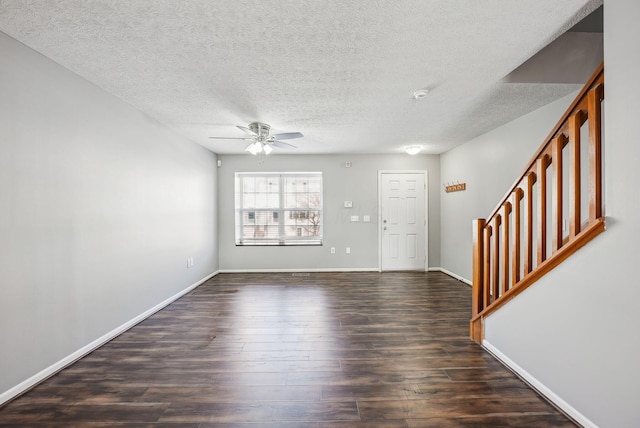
<point>275,208</point>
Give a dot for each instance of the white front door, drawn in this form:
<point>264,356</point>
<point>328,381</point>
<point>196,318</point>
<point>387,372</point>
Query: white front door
<point>402,221</point>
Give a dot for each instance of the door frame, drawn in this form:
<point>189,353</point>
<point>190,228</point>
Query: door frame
<point>426,212</point>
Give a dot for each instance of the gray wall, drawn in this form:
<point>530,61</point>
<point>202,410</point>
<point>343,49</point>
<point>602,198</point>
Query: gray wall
<point>489,165</point>
<point>99,209</point>
<point>574,333</point>
<point>358,184</point>
<point>586,345</point>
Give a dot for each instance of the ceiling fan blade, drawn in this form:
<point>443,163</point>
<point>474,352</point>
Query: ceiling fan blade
<point>287,135</point>
<point>231,138</point>
<point>283,145</point>
<point>247,130</point>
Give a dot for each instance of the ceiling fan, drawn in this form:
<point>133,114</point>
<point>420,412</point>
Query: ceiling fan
<point>261,140</point>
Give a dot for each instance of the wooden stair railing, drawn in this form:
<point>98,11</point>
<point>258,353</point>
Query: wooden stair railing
<point>526,235</point>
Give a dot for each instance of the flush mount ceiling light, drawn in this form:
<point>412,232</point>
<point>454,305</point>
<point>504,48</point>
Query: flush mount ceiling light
<point>420,93</point>
<point>412,150</point>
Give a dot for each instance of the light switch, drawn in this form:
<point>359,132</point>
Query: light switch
<point>355,218</point>
<point>366,218</point>
<point>348,204</point>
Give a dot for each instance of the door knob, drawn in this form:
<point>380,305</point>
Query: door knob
<point>384,221</point>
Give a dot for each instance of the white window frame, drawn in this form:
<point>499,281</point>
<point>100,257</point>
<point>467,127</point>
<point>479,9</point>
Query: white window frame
<point>282,239</point>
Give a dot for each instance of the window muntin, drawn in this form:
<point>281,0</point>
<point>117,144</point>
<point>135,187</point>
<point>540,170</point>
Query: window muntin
<point>279,208</point>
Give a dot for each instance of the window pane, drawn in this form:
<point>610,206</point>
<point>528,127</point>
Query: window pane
<point>290,184</point>
<point>273,184</point>
<point>260,224</point>
<point>315,185</point>
<point>261,184</point>
<point>249,200</point>
<point>273,200</point>
<point>302,223</point>
<point>249,184</point>
<point>260,218</point>
<point>260,232</point>
<point>315,201</point>
<point>261,200</point>
<point>302,200</point>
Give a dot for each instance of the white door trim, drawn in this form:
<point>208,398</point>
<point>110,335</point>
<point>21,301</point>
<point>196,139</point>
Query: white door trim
<point>426,212</point>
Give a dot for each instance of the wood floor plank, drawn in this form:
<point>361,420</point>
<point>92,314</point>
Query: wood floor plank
<point>232,393</point>
<point>218,412</point>
<point>317,411</point>
<point>514,421</point>
<point>370,392</point>
<point>429,408</point>
<point>275,350</point>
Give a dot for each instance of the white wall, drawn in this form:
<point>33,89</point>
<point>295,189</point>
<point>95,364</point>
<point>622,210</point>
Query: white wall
<point>489,165</point>
<point>575,331</point>
<point>99,209</point>
<point>358,184</point>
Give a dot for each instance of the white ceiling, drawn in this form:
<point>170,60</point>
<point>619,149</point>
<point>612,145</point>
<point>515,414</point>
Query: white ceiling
<point>341,72</point>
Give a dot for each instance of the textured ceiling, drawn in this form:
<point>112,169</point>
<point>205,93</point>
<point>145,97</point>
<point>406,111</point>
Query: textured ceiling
<point>341,72</point>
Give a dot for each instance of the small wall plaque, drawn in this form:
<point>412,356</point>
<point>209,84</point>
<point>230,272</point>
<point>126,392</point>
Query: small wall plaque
<point>458,187</point>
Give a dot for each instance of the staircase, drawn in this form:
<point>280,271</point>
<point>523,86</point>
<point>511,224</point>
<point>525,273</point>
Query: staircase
<point>552,210</point>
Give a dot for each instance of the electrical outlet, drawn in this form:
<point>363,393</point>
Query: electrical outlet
<point>348,250</point>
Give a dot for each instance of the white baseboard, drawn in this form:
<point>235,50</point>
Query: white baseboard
<point>56,367</point>
<point>451,274</point>
<point>299,270</point>
<point>541,388</point>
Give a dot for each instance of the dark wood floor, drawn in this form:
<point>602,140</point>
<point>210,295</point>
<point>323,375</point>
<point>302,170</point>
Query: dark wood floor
<point>294,350</point>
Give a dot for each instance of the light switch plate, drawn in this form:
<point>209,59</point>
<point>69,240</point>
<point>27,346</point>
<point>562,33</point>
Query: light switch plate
<point>348,204</point>
<point>355,218</point>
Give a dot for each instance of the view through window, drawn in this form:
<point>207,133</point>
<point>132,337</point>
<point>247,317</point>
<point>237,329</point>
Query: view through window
<point>278,208</point>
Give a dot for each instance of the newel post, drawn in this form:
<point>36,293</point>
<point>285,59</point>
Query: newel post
<point>477,302</point>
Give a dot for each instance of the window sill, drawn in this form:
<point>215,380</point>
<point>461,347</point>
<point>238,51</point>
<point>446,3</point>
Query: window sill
<point>285,244</point>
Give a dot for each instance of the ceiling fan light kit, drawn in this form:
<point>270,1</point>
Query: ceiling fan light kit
<point>254,148</point>
<point>261,140</point>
